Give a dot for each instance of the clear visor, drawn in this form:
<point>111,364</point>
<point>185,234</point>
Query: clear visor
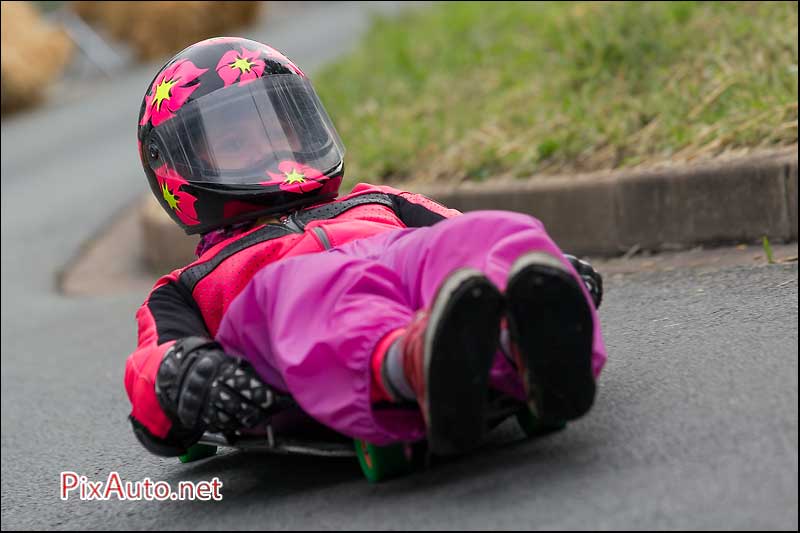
<point>235,135</point>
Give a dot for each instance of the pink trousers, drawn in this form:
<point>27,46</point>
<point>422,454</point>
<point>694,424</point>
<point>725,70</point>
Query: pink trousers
<point>309,324</point>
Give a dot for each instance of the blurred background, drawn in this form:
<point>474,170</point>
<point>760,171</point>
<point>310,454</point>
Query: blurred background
<point>455,92</point>
<point>83,38</point>
<point>422,93</point>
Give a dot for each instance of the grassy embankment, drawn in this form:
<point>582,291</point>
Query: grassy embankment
<point>469,91</point>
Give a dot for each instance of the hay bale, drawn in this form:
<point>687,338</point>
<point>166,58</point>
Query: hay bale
<point>33,54</point>
<point>158,29</point>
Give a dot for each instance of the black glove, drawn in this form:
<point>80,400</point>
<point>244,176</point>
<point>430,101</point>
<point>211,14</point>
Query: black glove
<point>202,388</point>
<point>591,278</point>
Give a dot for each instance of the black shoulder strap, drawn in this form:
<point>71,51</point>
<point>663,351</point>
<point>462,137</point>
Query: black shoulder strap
<point>334,209</point>
<point>190,277</point>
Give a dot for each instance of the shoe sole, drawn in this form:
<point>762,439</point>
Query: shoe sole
<point>550,322</point>
<point>465,326</point>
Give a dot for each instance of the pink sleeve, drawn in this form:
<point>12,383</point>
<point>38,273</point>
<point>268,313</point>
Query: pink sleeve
<point>141,369</point>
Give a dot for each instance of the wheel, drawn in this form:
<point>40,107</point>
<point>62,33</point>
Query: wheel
<point>384,462</point>
<point>197,452</point>
<point>532,426</point>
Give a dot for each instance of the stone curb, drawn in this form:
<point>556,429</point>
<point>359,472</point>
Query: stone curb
<point>736,200</point>
<point>165,246</point>
<point>723,201</point>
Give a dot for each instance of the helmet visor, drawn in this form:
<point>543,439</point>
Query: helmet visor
<point>236,134</point>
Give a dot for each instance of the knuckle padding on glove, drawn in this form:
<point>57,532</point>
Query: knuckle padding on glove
<point>199,385</point>
<point>238,398</point>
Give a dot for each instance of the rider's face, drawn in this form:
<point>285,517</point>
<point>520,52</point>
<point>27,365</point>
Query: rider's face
<point>244,143</point>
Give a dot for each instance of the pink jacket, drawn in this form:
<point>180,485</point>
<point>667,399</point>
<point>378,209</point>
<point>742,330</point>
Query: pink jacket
<point>192,301</point>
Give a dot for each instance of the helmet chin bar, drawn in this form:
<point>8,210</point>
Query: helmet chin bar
<point>249,188</point>
<point>246,193</point>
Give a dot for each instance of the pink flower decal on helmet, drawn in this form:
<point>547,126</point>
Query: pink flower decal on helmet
<point>170,91</point>
<point>296,177</point>
<point>243,66</point>
<point>170,182</point>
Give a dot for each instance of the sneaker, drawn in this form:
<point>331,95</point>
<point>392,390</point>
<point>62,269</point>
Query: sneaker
<point>551,334</point>
<point>447,353</point>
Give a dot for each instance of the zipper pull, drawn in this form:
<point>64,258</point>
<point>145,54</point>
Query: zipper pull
<point>291,223</point>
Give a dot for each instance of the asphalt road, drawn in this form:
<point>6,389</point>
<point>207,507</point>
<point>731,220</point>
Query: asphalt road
<point>695,425</point>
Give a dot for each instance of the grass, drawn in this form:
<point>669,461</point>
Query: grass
<point>48,5</point>
<point>767,250</point>
<point>472,91</point>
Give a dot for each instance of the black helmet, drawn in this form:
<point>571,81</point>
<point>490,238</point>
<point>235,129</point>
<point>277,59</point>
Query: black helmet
<point>231,130</point>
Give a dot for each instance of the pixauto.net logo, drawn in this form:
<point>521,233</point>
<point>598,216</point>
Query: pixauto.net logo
<point>74,485</point>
